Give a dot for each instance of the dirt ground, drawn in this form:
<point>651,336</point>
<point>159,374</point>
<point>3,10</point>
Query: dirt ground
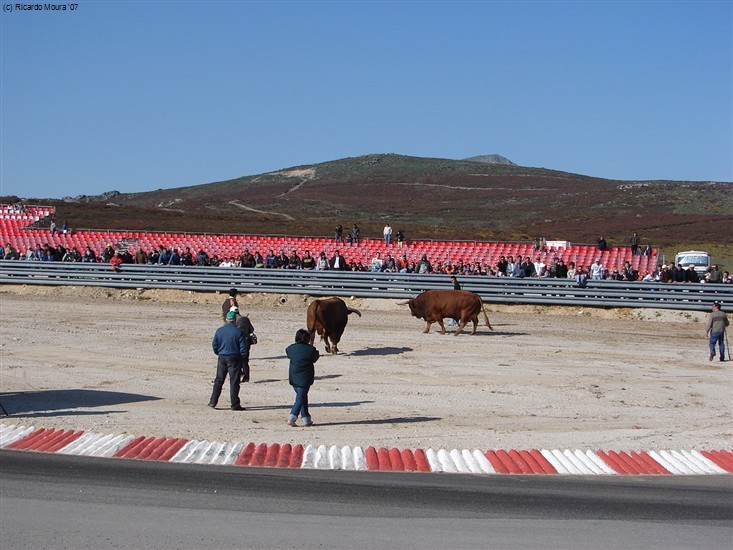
<point>140,362</point>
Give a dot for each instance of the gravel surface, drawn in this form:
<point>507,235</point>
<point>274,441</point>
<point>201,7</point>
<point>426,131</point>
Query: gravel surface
<point>140,362</point>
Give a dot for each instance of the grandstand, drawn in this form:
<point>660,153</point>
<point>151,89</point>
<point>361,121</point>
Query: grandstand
<point>29,227</point>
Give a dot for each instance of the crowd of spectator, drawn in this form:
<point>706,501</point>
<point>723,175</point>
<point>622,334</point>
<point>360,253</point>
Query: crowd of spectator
<point>506,266</point>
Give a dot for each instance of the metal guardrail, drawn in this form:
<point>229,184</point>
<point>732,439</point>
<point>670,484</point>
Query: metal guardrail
<point>496,290</point>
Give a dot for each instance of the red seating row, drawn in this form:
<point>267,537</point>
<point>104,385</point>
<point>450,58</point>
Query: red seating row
<point>486,253</point>
<point>13,231</point>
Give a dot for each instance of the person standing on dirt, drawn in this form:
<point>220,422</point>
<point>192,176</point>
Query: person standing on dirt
<point>229,303</point>
<point>245,325</point>
<point>456,286</point>
<point>717,321</point>
<point>454,281</point>
<point>231,347</point>
<point>301,374</point>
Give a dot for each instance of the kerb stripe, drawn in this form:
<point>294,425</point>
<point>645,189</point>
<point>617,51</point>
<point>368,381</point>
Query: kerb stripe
<point>322,457</point>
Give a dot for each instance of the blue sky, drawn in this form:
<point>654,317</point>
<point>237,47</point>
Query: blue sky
<point>136,96</point>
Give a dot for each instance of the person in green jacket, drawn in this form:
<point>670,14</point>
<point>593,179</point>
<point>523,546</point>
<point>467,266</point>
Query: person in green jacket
<point>302,371</point>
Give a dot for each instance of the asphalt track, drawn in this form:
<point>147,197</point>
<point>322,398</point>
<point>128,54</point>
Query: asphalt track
<point>60,501</point>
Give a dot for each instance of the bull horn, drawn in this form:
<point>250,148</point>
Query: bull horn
<point>403,303</point>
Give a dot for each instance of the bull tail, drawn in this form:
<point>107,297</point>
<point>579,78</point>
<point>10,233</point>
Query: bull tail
<point>351,310</point>
<point>486,317</point>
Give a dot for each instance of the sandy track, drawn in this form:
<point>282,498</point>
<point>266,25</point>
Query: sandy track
<point>140,362</point>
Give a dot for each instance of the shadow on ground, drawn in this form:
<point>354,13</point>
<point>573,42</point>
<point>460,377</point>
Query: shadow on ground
<point>480,332</point>
<point>398,420</point>
<point>42,403</point>
<point>311,405</point>
<point>328,376</point>
<point>380,351</point>
<point>322,377</point>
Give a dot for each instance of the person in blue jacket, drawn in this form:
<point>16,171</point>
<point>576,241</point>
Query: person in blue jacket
<point>302,371</point>
<point>232,348</point>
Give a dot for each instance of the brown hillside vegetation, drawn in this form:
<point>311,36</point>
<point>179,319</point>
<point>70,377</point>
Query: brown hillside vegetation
<point>427,198</point>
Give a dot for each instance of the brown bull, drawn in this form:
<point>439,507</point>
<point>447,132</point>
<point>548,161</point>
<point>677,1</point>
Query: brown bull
<point>328,317</point>
<point>435,305</point>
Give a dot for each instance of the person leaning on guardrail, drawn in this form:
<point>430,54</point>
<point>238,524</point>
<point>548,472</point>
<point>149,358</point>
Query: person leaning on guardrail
<point>581,277</point>
<point>11,253</point>
<point>115,261</point>
<point>691,275</point>
<point>713,274</point>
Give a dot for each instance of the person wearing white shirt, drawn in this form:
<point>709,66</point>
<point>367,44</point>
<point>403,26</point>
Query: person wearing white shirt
<point>597,271</point>
<point>376,264</point>
<point>387,234</point>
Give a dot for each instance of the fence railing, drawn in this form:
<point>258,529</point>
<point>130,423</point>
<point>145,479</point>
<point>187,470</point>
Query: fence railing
<point>494,290</point>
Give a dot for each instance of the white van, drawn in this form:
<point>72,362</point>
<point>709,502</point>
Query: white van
<point>700,261</point>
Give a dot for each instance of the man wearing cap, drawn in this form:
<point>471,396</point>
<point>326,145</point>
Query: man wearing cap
<point>229,303</point>
<point>717,321</point>
<point>231,347</point>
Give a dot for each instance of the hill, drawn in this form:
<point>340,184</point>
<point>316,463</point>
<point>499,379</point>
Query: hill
<point>426,198</point>
<point>491,159</point>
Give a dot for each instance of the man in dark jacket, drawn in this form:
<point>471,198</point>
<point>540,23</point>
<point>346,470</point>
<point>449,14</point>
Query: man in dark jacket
<point>231,347</point>
<point>338,262</point>
<point>529,267</point>
<point>561,270</point>
<point>202,258</point>
<point>691,275</point>
<point>678,275</point>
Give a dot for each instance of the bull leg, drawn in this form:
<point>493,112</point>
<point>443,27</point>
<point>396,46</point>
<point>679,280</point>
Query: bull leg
<point>313,336</point>
<point>335,339</point>
<point>463,323</point>
<point>333,348</point>
<point>442,326</point>
<point>427,327</point>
